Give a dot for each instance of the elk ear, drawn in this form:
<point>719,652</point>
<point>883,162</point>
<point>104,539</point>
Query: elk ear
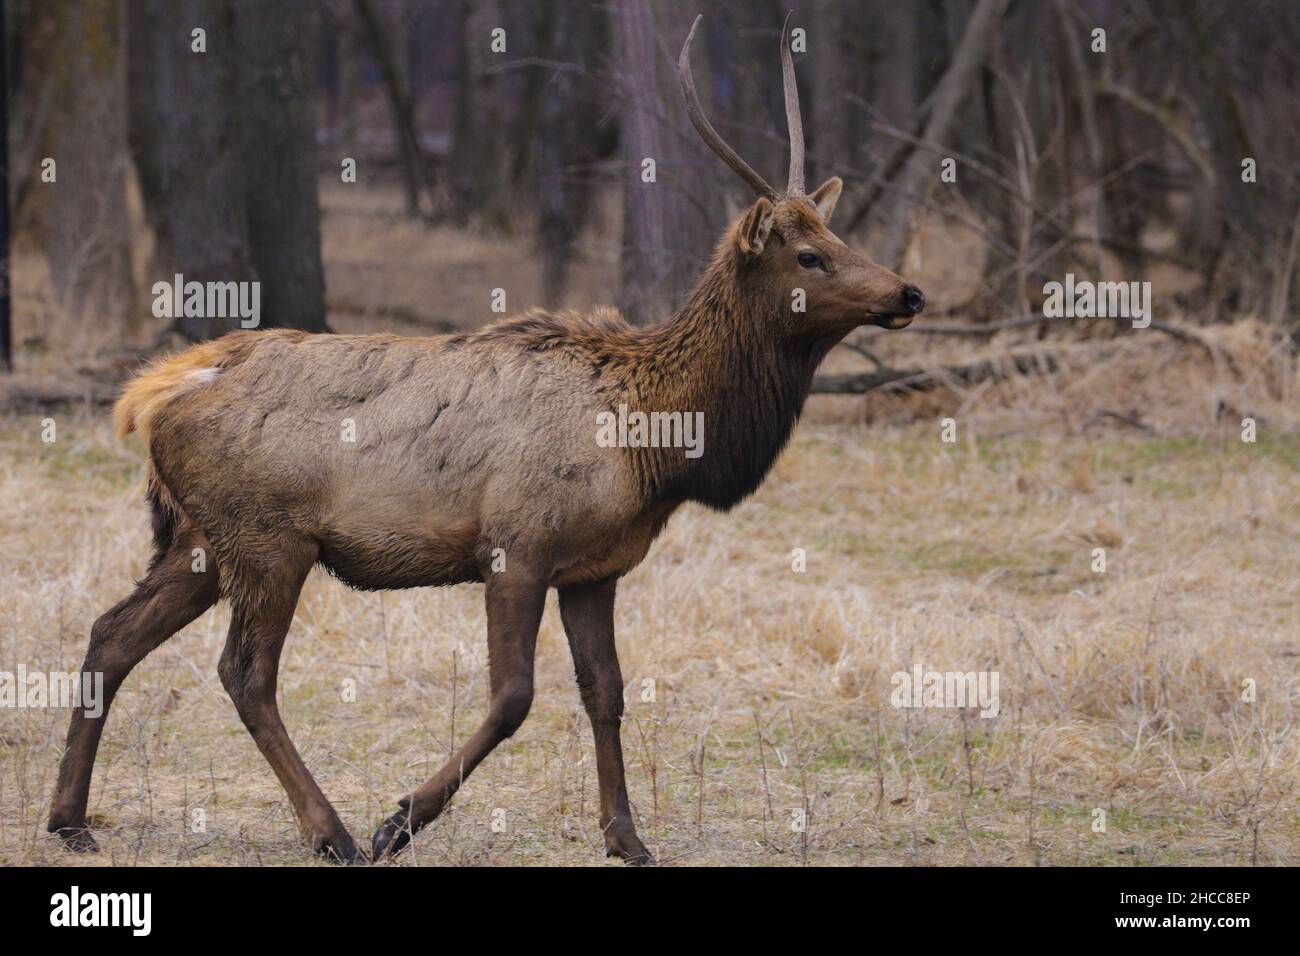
<point>826,196</point>
<point>755,226</point>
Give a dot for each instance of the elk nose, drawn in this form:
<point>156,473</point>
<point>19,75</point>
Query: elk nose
<point>913,299</point>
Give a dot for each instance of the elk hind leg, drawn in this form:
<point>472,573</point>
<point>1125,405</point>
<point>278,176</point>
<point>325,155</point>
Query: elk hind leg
<point>170,596</point>
<point>249,669</point>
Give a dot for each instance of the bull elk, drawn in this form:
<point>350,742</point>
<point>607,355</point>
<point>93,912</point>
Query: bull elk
<point>468,446</point>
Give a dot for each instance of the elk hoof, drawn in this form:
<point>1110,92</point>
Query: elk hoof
<point>622,841</point>
<point>77,839</point>
<point>393,834</point>
<point>632,859</point>
<point>339,849</point>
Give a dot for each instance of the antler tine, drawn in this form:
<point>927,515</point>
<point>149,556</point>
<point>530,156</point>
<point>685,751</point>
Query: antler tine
<point>792,117</point>
<point>706,130</point>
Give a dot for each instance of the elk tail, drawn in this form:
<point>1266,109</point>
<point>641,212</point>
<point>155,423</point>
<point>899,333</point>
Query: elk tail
<point>152,390</point>
<point>168,378</point>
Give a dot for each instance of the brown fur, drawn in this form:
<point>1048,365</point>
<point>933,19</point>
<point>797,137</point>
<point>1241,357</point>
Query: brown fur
<point>469,443</point>
<point>170,377</point>
<point>467,448</point>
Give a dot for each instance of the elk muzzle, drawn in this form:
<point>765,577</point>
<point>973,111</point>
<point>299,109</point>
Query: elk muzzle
<point>911,301</point>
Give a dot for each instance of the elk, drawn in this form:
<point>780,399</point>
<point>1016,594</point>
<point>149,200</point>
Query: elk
<point>468,446</point>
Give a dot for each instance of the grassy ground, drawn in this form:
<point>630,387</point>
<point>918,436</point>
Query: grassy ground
<point>754,691</point>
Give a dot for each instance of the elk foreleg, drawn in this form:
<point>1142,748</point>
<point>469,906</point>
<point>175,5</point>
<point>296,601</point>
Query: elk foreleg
<point>514,611</point>
<point>588,614</point>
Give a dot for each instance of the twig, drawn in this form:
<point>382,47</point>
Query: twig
<point>762,762</point>
<point>920,379</point>
<point>1132,420</point>
<point>865,352</point>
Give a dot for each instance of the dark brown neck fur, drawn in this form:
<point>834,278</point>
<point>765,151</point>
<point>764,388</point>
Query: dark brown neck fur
<point>722,354</point>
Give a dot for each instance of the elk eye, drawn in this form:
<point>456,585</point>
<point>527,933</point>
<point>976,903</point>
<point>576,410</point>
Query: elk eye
<point>810,260</point>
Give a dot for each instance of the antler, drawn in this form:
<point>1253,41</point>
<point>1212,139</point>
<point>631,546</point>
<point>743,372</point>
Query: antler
<point>710,135</point>
<point>793,120</point>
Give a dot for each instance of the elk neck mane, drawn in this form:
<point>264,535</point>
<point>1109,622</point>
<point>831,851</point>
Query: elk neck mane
<point>724,352</point>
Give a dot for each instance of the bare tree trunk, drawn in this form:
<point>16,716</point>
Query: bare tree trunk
<point>6,327</point>
<point>351,46</point>
<point>1241,273</point>
<point>646,263</point>
<point>667,223</point>
<point>892,42</point>
<point>415,174</point>
<point>143,129</point>
<point>751,118</point>
<point>1120,212</point>
<point>331,69</point>
<point>827,36</point>
<point>276,74</point>
<point>569,116</point>
<point>31,97</point>
<point>89,243</point>
<point>1078,82</point>
<point>477,169</point>
<point>919,172</point>
<point>1001,209</point>
<point>199,152</point>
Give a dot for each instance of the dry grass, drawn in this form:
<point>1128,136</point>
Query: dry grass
<point>1119,691</point>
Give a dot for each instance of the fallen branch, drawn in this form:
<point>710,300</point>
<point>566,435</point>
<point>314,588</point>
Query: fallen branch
<point>1181,334</point>
<point>922,380</point>
<point>865,352</point>
<point>984,329</point>
<point>29,396</point>
<point>896,380</point>
<point>1132,420</point>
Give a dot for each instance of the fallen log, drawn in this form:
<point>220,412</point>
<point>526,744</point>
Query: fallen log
<point>1181,334</point>
<point>40,396</point>
<point>923,379</point>
<point>884,378</point>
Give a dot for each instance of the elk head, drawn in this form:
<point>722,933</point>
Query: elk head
<point>783,242</point>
